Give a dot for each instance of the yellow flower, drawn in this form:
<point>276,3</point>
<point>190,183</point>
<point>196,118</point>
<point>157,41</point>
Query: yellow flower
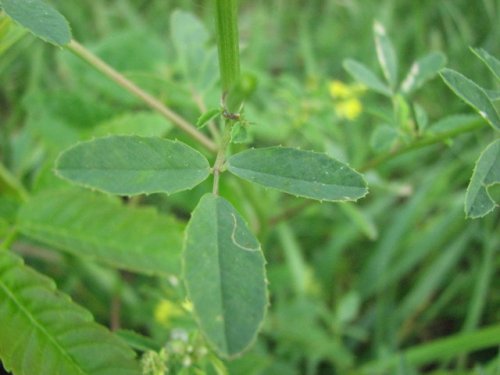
<point>349,109</point>
<point>346,102</point>
<point>339,90</point>
<point>165,311</point>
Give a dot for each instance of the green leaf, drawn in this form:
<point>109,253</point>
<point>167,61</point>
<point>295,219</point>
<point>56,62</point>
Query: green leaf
<point>239,133</point>
<point>129,165</point>
<point>10,34</point>
<point>451,123</point>
<point>208,116</point>
<point>303,173</point>
<point>143,124</point>
<point>365,76</point>
<point>478,201</point>
<point>99,227</point>
<point>133,51</point>
<point>39,18</point>
<point>494,95</point>
<point>361,219</point>
<point>383,138</point>
<point>137,341</point>
<point>439,349</point>
<point>473,95</point>
<point>44,333</point>
<point>225,276</point>
<point>192,43</point>
<point>423,70</point>
<point>386,54</point>
<point>491,62</point>
<point>421,118</point>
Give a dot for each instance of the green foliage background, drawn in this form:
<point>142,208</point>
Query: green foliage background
<point>397,283</point>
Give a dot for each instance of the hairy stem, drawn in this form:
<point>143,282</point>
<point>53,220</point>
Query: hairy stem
<point>147,98</point>
<point>226,18</point>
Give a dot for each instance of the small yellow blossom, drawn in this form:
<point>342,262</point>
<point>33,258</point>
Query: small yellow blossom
<point>346,102</point>
<point>339,90</point>
<point>165,311</point>
<point>187,305</point>
<point>349,109</point>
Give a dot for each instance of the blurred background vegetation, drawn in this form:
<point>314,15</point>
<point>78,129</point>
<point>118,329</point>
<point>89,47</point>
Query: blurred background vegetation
<point>355,288</point>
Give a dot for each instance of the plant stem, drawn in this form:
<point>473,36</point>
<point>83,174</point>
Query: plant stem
<point>13,183</point>
<point>9,239</point>
<point>226,17</point>
<point>147,98</point>
<point>221,155</point>
<point>423,142</point>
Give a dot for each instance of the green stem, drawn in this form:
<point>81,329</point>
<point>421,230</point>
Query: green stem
<point>9,239</point>
<point>13,183</point>
<point>221,155</point>
<point>226,17</point>
<point>423,142</point>
<point>147,98</point>
<point>448,347</point>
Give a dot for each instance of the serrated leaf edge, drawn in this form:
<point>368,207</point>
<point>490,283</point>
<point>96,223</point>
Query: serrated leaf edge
<point>125,194</point>
<point>194,313</point>
<point>347,199</point>
<point>485,186</point>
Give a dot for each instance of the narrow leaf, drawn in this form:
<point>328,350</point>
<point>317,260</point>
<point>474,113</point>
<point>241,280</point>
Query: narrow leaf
<point>491,62</point>
<point>144,124</point>
<point>421,118</point>
<point>303,173</point>
<point>98,227</point>
<point>383,138</point>
<point>137,341</point>
<point>423,70</point>
<point>225,276</point>
<point>44,333</point>
<point>494,95</point>
<point>386,54</point>
<point>40,18</point>
<point>478,201</point>
<point>239,133</point>
<point>191,40</point>
<point>473,95</point>
<point>129,165</point>
<point>365,76</point>
<point>208,116</point>
<point>452,123</point>
<point>439,349</point>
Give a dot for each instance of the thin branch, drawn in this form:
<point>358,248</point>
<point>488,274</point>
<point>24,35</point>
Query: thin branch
<point>221,155</point>
<point>147,98</point>
<point>420,143</point>
<point>423,142</point>
<point>13,183</point>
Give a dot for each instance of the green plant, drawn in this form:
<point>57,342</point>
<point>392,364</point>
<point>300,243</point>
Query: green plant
<point>223,264</point>
<point>201,248</point>
<point>478,201</point>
